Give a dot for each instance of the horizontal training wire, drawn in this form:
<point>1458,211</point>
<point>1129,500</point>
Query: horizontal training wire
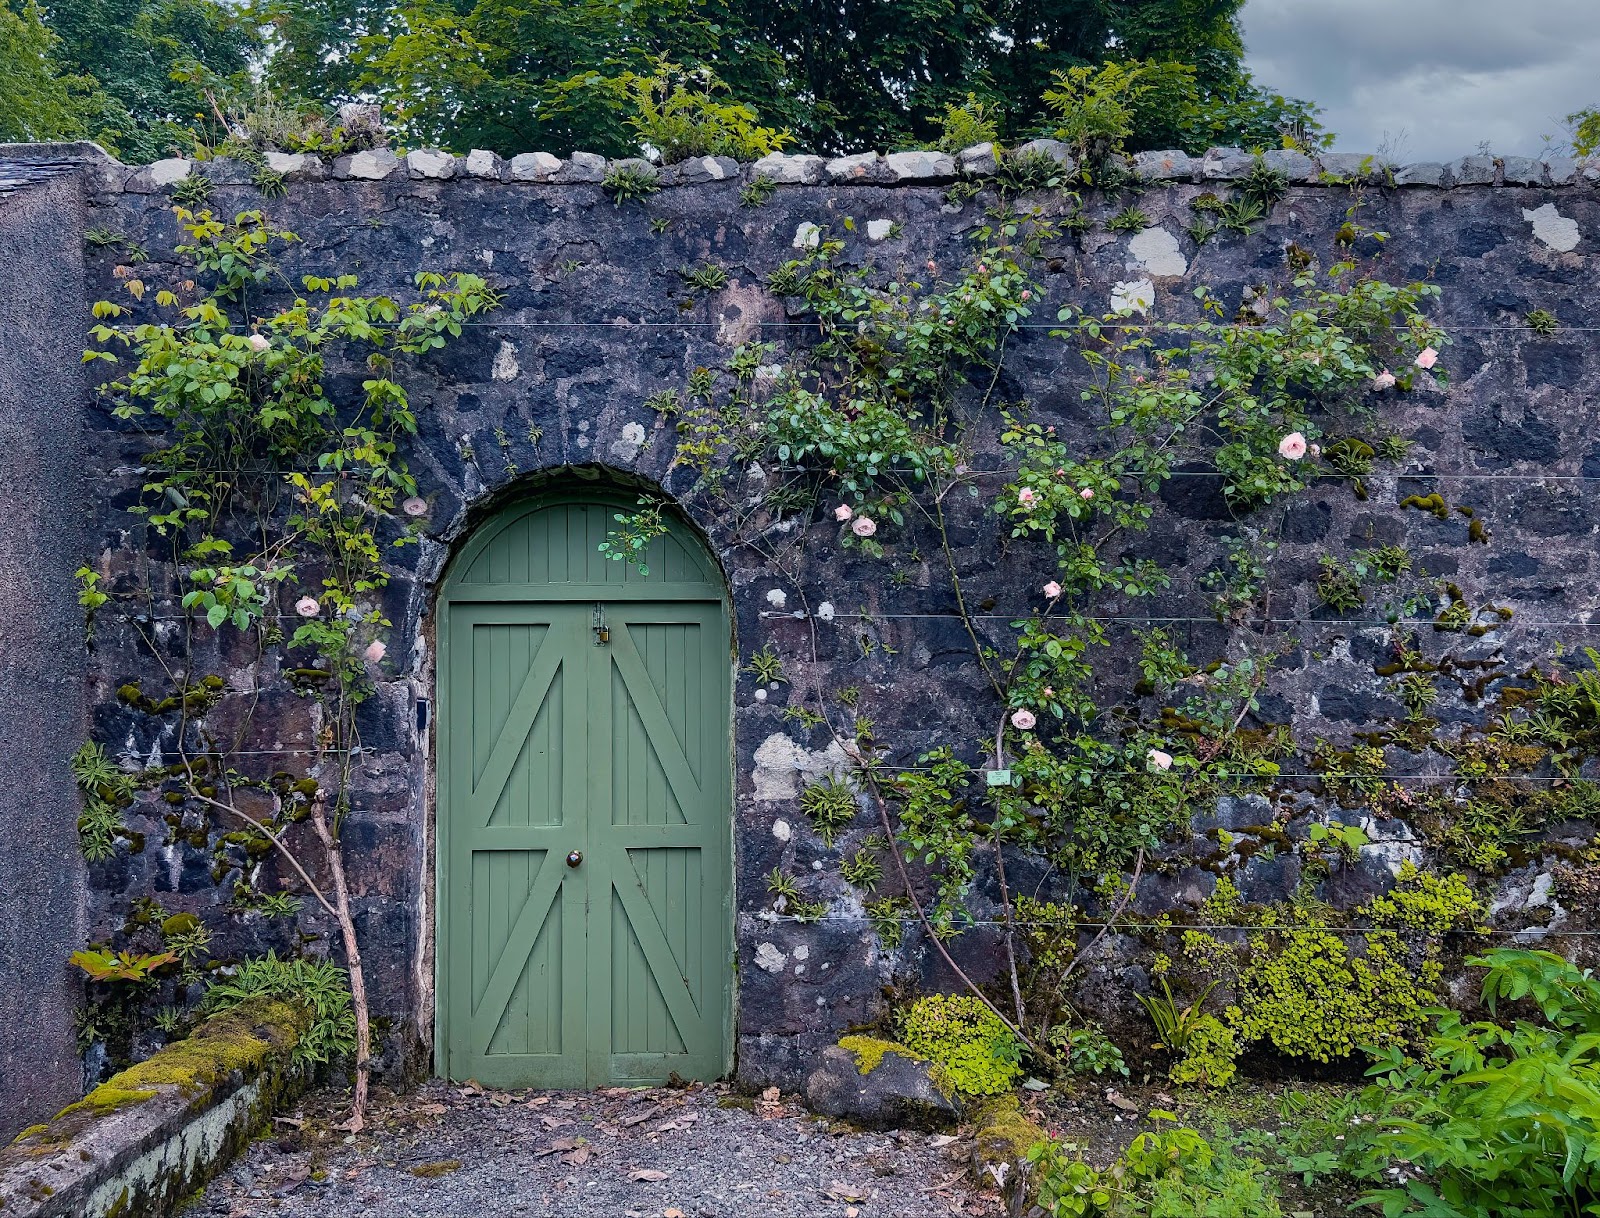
<point>1025,615</point>
<point>1137,927</point>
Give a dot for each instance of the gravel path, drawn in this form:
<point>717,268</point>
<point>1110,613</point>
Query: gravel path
<point>703,1152</point>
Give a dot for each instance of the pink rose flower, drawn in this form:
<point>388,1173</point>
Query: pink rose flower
<point>1159,760</point>
<point>1052,589</point>
<point>1384,380</point>
<point>843,512</point>
<point>375,651</point>
<point>1427,357</point>
<point>863,527</point>
<point>1026,294</point>
<point>1292,446</point>
<point>415,506</point>
<point>1086,493</point>
<point>1023,720</point>
<point>307,606</point>
<point>259,342</point>
<point>1026,497</point>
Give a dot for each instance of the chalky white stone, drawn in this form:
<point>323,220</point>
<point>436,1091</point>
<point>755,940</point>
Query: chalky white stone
<point>1157,251</point>
<point>534,166</point>
<point>1559,232</point>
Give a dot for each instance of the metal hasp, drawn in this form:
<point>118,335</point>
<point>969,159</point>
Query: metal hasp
<point>585,806</point>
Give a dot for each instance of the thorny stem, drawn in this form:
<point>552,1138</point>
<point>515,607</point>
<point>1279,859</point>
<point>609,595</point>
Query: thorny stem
<point>352,951</point>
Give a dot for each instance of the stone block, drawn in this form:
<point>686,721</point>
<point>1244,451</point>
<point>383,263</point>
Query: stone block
<point>800,170</point>
<point>157,174</point>
<point>1347,166</point>
<point>893,1091</point>
<point>1521,171</point>
<point>1561,170</point>
<point>227,171</point>
<point>582,167</point>
<point>534,167</point>
<point>862,167</point>
<point>1225,164</point>
<point>297,166</point>
<point>481,163</point>
<point>708,169</point>
<point>1474,171</point>
<point>980,160</point>
<point>1169,165</point>
<point>430,163</point>
<point>1422,173</point>
<point>1292,162</point>
<point>1062,153</point>
<point>920,166</point>
<point>372,165</point>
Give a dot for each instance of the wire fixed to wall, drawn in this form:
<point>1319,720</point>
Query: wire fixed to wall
<point>1536,932</point>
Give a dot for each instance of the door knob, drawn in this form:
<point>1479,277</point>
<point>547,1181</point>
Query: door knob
<point>574,858</point>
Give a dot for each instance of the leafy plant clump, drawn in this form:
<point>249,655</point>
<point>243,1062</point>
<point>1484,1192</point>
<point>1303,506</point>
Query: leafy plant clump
<point>319,985</point>
<point>683,113</point>
<point>962,1035</point>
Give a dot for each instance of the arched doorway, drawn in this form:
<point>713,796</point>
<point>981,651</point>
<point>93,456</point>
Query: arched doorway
<point>584,804</point>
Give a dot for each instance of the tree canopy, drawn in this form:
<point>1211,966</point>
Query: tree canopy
<point>516,75</point>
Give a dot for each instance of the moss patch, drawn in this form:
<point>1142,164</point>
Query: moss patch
<point>1003,1136</point>
<point>443,1167</point>
<point>107,1098</point>
<point>869,1050</point>
<point>243,1039</point>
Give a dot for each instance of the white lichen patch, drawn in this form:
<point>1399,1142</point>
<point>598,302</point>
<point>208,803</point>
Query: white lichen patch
<point>807,236</point>
<point>1559,232</point>
<point>629,443</point>
<point>825,611</point>
<point>505,366</point>
<point>782,766</point>
<point>770,957</point>
<point>1392,843</point>
<point>1157,251</point>
<point>782,830</point>
<point>777,598</point>
<point>879,230</point>
<point>1133,296</point>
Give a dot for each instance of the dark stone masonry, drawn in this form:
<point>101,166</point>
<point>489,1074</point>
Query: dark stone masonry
<point>596,319</point>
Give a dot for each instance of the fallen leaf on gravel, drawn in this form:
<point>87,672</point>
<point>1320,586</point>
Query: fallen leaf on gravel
<point>940,1140</point>
<point>647,1175</point>
<point>840,1191</point>
<point>554,1122</point>
<point>499,1101</point>
<point>1118,1100</point>
<point>297,1122</point>
<point>428,1171</point>
<point>578,1157</point>
<point>538,1101</point>
<point>472,1087</point>
<point>672,1211</point>
<point>431,1109</point>
<point>772,1095</point>
<point>639,1118</point>
<point>850,1211</point>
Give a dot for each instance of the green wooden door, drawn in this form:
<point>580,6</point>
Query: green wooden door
<point>583,708</point>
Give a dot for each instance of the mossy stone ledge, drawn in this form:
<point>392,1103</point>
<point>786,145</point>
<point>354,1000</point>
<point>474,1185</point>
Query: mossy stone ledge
<point>142,1140</point>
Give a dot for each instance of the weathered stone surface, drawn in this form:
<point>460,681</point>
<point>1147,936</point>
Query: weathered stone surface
<point>1171,165</point>
<point>1051,148</point>
<point>920,166</point>
<point>1224,164</point>
<point>708,169</point>
<point>895,1092</point>
<point>1351,165</point>
<point>1561,170</point>
<point>430,163</point>
<point>142,1141</point>
<point>534,167</point>
<point>1291,162</point>
<point>879,230</point>
<point>297,166</point>
<point>789,170</point>
<point>1521,171</point>
<point>862,167</point>
<point>373,164</point>
<point>481,163</point>
<point>1420,173</point>
<point>158,174</point>
<point>582,167</point>
<point>978,160</point>
<point>1474,171</point>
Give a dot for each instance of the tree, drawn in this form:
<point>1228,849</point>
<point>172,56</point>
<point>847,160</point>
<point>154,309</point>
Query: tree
<point>35,103</point>
<point>1585,126</point>
<point>145,80</point>
<point>843,75</point>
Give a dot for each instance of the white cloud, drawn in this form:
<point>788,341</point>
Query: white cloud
<point>1431,79</point>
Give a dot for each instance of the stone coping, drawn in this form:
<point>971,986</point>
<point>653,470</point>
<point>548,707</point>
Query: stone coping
<point>143,1140</point>
<point>908,168</point>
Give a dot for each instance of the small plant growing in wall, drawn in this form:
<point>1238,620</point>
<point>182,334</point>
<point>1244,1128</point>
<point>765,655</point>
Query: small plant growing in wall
<point>830,805</point>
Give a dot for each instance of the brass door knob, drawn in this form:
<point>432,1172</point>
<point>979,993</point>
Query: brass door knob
<point>574,858</point>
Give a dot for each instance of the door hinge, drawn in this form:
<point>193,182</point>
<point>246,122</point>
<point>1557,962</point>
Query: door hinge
<point>602,632</point>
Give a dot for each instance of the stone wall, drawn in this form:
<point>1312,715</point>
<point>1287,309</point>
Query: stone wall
<point>597,318</point>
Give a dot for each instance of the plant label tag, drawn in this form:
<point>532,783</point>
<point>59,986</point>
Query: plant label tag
<point>999,778</point>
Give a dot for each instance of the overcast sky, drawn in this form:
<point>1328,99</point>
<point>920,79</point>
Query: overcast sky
<point>1436,77</point>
